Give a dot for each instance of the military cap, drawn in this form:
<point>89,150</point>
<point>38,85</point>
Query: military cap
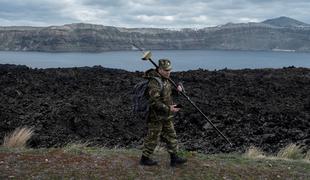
<point>165,64</point>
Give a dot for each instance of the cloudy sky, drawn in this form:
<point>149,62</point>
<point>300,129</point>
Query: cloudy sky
<point>148,13</point>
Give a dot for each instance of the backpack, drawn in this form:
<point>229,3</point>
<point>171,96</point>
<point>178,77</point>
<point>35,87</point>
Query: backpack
<point>140,97</point>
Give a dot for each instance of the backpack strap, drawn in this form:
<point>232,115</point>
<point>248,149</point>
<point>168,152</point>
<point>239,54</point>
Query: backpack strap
<point>160,82</point>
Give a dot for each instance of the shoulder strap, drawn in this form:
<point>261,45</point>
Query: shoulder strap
<point>160,82</point>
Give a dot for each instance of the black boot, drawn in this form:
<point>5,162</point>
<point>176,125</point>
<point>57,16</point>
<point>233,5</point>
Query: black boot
<point>146,161</point>
<point>176,160</point>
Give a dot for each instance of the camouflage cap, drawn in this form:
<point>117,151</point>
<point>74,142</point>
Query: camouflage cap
<point>165,64</point>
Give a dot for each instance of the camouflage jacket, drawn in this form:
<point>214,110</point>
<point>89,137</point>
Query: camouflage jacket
<point>160,100</point>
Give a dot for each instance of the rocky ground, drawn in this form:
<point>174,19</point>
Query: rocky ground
<point>267,108</point>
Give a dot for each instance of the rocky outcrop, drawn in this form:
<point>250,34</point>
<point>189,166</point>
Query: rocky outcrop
<point>277,34</point>
<point>267,108</point>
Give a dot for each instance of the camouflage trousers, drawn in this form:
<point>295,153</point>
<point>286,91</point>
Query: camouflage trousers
<point>160,128</point>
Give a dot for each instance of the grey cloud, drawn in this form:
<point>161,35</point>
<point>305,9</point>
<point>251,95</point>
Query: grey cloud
<point>32,12</point>
<point>149,13</point>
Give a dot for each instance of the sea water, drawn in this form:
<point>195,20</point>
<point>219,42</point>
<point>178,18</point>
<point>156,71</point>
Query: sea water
<point>182,60</point>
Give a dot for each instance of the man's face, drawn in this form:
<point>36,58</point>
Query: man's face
<point>164,73</point>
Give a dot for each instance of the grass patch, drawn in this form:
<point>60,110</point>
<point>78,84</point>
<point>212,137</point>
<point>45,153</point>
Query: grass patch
<point>291,151</point>
<point>18,138</point>
<point>254,152</point>
<point>79,148</point>
<point>76,148</point>
<point>307,157</point>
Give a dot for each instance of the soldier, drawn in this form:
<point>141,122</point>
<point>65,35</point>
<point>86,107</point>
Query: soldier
<point>160,116</point>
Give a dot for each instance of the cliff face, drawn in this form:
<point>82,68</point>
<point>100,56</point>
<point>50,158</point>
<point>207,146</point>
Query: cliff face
<point>280,33</point>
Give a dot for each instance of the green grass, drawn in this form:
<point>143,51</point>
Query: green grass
<point>82,162</point>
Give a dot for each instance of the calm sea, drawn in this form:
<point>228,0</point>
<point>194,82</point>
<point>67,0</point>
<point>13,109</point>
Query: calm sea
<point>182,60</point>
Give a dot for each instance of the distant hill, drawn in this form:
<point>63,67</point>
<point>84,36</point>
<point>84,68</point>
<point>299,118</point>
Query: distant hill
<point>285,22</point>
<point>281,33</point>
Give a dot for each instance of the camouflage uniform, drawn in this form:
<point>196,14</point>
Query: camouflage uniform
<point>160,119</point>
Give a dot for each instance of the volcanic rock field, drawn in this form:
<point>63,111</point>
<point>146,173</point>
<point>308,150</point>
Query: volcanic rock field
<point>266,108</point>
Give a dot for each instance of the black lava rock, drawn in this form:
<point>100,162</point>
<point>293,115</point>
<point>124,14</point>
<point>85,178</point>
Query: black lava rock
<point>268,108</point>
